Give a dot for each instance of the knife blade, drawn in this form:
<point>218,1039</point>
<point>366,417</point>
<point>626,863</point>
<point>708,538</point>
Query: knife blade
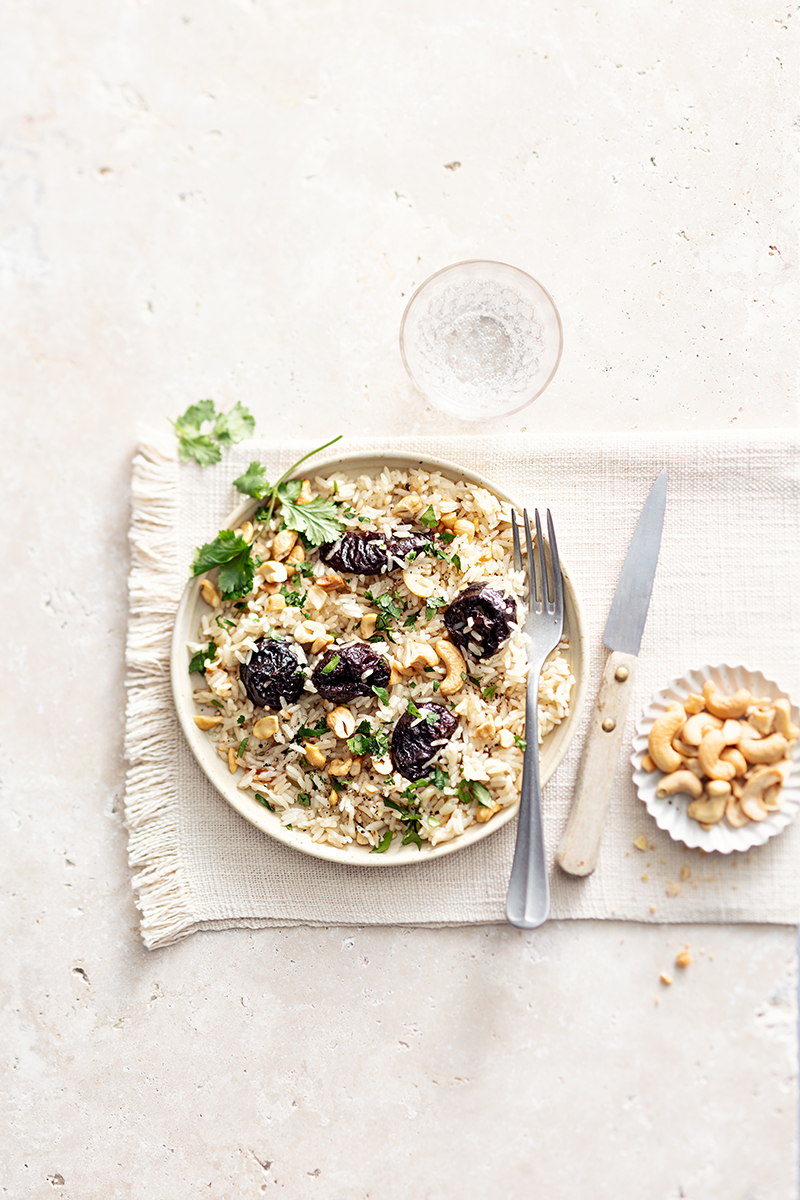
<point>580,845</point>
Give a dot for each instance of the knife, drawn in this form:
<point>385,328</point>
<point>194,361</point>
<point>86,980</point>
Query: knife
<point>580,845</point>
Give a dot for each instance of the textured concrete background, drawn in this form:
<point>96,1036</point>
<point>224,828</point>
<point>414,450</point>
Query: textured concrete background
<point>235,199</point>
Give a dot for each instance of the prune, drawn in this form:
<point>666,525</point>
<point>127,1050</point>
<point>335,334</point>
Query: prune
<point>416,740</point>
<point>273,673</point>
<point>357,552</point>
<point>372,553</point>
<point>344,672</point>
<point>480,619</point>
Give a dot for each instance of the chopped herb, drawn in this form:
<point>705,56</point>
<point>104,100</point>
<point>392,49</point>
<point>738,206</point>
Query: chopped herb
<point>287,827</point>
<point>464,676</point>
<point>432,605</point>
<point>411,619</point>
<point>217,703</point>
<point>488,692</point>
<point>456,561</point>
<point>242,745</point>
<point>240,720</point>
<point>474,679</point>
<point>274,634</point>
<point>389,782</point>
<point>364,520</point>
<point>331,666</point>
<point>471,789</point>
<point>231,553</point>
<point>198,662</point>
<point>429,518</point>
<point>304,799</point>
<point>311,731</point>
<point>436,685</point>
<point>411,835</point>
<point>365,741</point>
<point>263,800</point>
<point>412,684</point>
<point>448,536</point>
<point>293,599</point>
<point>318,521</point>
<point>222,621</point>
<point>304,568</point>
<point>430,717</point>
<point>382,693</point>
<point>520,743</point>
<point>440,778</point>
<point>337,784</point>
<point>383,844</point>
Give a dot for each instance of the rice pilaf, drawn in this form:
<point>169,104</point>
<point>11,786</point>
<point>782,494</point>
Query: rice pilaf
<point>369,802</point>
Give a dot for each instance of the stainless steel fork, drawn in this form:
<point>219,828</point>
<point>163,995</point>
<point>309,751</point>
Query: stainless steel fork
<point>528,901</point>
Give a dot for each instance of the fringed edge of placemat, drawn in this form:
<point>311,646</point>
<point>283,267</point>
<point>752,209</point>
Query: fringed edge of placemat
<point>160,887</point>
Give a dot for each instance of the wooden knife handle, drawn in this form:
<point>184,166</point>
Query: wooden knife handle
<point>580,845</point>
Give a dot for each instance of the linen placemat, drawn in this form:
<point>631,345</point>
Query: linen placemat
<point>727,589</point>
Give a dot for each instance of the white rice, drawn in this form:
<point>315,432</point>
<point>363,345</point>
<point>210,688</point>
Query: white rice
<point>277,770</point>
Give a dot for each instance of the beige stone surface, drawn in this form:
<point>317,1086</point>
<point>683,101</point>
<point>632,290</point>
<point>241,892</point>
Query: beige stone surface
<point>234,198</point>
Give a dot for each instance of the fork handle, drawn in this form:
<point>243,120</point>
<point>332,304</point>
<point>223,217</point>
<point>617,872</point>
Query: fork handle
<point>528,900</point>
<point>580,845</point>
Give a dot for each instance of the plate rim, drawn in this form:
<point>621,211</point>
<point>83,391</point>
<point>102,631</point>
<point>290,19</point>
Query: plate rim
<point>720,839</point>
<point>268,822</point>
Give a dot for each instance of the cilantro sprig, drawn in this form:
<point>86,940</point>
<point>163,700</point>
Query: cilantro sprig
<point>473,789</point>
<point>221,429</point>
<point>231,553</point>
<point>365,740</point>
<point>318,521</point>
<point>203,657</point>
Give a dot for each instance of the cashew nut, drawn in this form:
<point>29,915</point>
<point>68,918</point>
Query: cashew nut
<point>506,739</point>
<point>307,632</point>
<point>708,755</point>
<point>246,530</point>
<point>416,655</point>
<point>419,585</point>
<point>647,763</point>
<point>340,766</point>
<point>695,703</point>
<point>681,748</point>
<point>355,767</point>
<point>734,813</point>
<point>732,732</point>
<point>314,755</point>
<point>770,797</point>
<point>732,754</point>
<point>486,729</point>
<point>276,603</point>
<point>768,750</point>
<point>660,738</point>
<point>763,719</point>
<point>751,798</point>
<point>266,727</point>
<point>305,496</point>
<point>207,722</point>
<point>783,719</point>
<point>680,781</point>
<point>210,593</point>
<point>709,811</point>
<point>232,761</point>
<point>283,542</point>
<point>273,572</point>
<point>456,667</point>
<point>341,722</point>
<point>296,555</point>
<point>316,597</point>
<point>484,813</point>
<point>697,726</point>
<point>407,506</point>
<point>464,527</point>
<point>726,706</point>
<point>330,583</point>
<point>367,625</point>
<point>382,766</point>
<point>718,787</point>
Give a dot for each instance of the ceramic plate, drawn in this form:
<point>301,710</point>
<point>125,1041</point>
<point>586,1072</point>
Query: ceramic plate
<point>186,623</point>
<point>670,813</point>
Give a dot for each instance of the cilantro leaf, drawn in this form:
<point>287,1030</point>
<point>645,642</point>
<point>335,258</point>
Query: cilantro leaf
<point>472,789</point>
<point>304,799</point>
<point>253,482</point>
<point>519,742</point>
<point>198,663</point>
<point>411,835</point>
<point>488,692</point>
<point>318,521</point>
<point>382,693</point>
<point>231,553</point>
<point>383,844</point>
<point>309,731</point>
<point>429,518</point>
<point>234,426</point>
<point>290,490</point>
<point>331,666</point>
<point>200,447</point>
<point>432,605</point>
<point>242,745</point>
<point>196,414</point>
<point>448,536</point>
<point>456,561</point>
<point>263,800</point>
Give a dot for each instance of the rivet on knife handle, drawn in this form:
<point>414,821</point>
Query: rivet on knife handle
<point>580,844</point>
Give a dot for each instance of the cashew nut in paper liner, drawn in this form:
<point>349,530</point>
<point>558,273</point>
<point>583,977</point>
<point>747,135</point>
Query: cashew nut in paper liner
<point>659,740</point>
